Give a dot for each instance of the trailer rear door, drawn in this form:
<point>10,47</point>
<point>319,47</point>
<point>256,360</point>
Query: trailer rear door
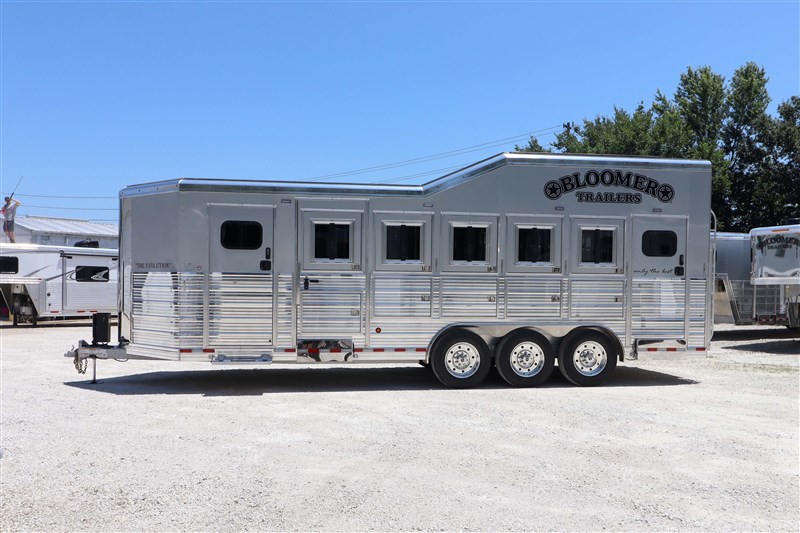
<point>240,281</point>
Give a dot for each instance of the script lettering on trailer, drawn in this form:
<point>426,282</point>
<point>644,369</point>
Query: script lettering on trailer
<point>578,183</point>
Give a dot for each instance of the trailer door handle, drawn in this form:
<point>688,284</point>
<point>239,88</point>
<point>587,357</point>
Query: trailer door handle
<point>306,281</point>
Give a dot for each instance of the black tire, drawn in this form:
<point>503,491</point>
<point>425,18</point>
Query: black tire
<point>587,359</point>
<point>34,318</point>
<point>460,359</point>
<point>525,359</point>
<point>16,307</point>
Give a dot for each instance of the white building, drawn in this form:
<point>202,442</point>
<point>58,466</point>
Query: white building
<point>64,231</point>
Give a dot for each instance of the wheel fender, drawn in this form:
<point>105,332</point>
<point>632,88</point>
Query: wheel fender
<point>530,329</point>
<point>468,327</point>
<point>602,331</point>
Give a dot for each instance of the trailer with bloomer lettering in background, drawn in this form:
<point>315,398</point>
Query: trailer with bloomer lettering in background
<point>776,268</point>
<point>521,262</point>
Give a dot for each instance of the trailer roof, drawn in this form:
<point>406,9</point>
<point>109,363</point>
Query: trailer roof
<point>788,228</point>
<point>11,248</point>
<point>444,182</point>
<point>66,226</point>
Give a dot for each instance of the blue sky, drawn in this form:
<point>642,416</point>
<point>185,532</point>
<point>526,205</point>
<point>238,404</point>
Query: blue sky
<point>100,95</point>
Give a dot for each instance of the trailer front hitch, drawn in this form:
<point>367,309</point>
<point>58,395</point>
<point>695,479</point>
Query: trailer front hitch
<point>81,363</point>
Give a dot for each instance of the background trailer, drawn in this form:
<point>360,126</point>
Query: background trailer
<point>520,258</point>
<point>39,281</point>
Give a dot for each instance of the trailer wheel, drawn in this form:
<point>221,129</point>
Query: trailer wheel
<point>460,359</point>
<point>525,359</point>
<point>587,359</point>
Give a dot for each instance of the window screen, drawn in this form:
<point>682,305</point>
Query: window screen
<point>403,243</point>
<point>533,245</point>
<point>597,246</point>
<point>241,235</point>
<point>331,241</point>
<point>469,244</point>
<point>659,243</point>
<point>91,273</point>
<point>9,264</point>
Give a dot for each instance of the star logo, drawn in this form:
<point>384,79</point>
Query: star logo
<point>666,193</point>
<point>552,189</point>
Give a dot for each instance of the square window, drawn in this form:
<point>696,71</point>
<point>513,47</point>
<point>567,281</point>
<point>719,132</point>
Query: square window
<point>469,243</point>
<point>403,243</point>
<point>331,241</point>
<point>597,246</point>
<point>9,264</point>
<point>533,245</point>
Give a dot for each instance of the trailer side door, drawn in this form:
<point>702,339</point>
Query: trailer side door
<point>240,282</point>
<point>332,280</point>
<point>658,262</point>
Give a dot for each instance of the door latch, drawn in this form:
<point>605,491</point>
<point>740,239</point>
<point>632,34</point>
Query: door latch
<point>306,281</point>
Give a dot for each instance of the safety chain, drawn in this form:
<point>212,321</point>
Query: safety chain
<point>81,364</point>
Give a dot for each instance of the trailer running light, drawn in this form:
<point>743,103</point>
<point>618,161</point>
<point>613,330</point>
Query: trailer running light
<point>399,349</point>
<point>672,349</point>
<point>421,350</point>
<point>185,350</point>
<point>701,349</point>
<point>652,349</point>
<point>209,350</point>
<point>290,350</point>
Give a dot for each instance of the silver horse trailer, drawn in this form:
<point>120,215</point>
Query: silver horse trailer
<point>41,281</point>
<point>734,294</point>
<point>521,260</point>
<point>776,268</point>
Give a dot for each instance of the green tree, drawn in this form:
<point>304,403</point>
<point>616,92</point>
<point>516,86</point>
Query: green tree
<point>743,139</point>
<point>755,158</point>
<point>532,146</point>
<point>782,163</point>
<point>624,133</point>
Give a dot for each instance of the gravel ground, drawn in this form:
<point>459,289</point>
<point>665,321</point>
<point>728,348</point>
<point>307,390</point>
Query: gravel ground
<point>693,444</point>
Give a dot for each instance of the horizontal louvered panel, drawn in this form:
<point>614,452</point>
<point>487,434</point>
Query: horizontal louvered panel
<point>534,298</point>
<point>402,296</point>
<point>597,299</point>
<point>468,297</point>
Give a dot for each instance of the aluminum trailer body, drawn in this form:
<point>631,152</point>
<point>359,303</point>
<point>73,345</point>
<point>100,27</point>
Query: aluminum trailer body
<point>517,260</point>
<point>776,268</point>
<point>41,281</point>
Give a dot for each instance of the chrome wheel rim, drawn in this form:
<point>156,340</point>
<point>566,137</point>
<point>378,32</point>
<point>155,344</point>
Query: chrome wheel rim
<point>462,360</point>
<point>527,359</point>
<point>590,358</point>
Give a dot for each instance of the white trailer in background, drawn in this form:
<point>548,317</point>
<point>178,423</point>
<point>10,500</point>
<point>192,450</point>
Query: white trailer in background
<point>518,261</point>
<point>40,281</point>
<point>776,267</point>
